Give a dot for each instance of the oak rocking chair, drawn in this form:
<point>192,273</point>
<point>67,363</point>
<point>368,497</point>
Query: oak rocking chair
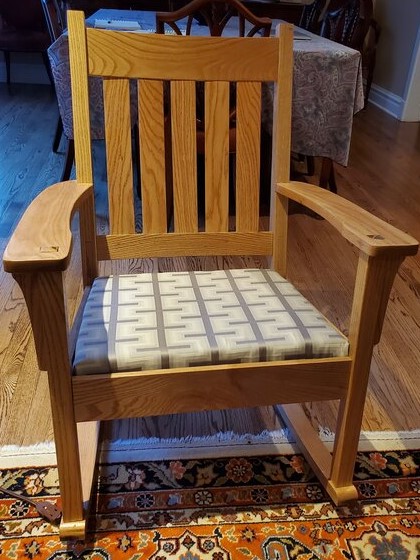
<point>159,343</point>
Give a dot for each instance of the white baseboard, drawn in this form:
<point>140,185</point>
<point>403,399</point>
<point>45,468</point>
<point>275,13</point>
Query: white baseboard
<point>387,101</point>
<point>224,444</point>
<point>25,68</point>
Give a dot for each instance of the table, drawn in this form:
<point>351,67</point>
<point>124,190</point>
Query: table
<point>327,90</point>
<point>289,10</point>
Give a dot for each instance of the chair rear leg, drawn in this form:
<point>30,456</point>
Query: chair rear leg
<point>57,135</point>
<point>7,62</point>
<point>47,65</point>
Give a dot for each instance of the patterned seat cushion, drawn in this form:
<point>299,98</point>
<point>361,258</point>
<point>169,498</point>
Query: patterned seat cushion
<point>175,319</point>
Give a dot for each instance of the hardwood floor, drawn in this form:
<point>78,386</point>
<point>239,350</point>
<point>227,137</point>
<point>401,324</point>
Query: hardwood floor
<point>383,176</point>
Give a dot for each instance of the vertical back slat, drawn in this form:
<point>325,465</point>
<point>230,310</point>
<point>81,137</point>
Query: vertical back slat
<point>248,140</point>
<point>118,145</point>
<point>217,155</point>
<point>184,155</point>
<point>152,156</point>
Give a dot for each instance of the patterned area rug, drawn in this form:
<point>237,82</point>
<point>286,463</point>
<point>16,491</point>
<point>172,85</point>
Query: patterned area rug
<point>265,507</point>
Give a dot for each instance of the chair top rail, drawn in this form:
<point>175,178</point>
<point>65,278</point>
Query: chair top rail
<point>154,56</point>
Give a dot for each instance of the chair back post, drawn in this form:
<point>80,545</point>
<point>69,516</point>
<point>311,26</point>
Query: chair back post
<point>80,100</point>
<point>82,141</point>
<point>282,119</point>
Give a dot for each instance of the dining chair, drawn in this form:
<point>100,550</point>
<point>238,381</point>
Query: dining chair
<point>213,17</point>
<point>22,29</point>
<point>54,18</point>
<point>189,340</point>
<point>353,25</point>
<point>369,55</point>
<point>348,22</point>
<point>312,14</point>
<point>55,21</point>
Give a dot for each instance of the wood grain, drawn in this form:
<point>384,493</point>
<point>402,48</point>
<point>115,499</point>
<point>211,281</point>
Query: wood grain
<point>282,117</point>
<point>217,156</point>
<point>248,140</point>
<point>116,395</point>
<point>384,165</point>
<point>152,161</point>
<point>370,234</point>
<point>43,239</point>
<point>184,156</point>
<point>153,58</point>
<point>184,244</point>
<point>118,144</point>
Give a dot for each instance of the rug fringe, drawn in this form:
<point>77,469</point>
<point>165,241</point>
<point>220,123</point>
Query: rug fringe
<point>219,445</point>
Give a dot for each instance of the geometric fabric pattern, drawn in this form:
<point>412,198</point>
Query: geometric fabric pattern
<point>178,319</point>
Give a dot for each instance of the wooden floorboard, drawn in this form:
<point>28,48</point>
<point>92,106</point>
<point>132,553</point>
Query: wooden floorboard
<point>383,176</point>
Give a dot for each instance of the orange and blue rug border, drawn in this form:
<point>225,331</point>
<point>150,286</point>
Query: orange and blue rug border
<point>265,507</point>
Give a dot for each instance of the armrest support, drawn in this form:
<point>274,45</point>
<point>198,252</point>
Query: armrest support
<point>42,239</point>
<point>370,234</point>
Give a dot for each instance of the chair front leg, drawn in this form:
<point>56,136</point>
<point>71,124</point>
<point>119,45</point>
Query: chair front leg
<point>374,280</point>
<point>44,295</point>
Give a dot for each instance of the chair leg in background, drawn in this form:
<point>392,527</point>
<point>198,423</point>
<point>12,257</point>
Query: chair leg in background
<point>310,165</point>
<point>69,160</point>
<point>7,62</point>
<point>57,135</point>
<point>48,68</point>
<point>327,175</point>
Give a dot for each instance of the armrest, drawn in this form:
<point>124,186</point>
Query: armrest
<point>370,234</point>
<point>42,239</point>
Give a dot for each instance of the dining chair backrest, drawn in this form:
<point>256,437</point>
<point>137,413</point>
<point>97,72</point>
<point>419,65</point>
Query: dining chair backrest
<point>311,18</point>
<point>349,23</point>
<point>214,14</point>
<point>54,18</point>
<point>252,66</point>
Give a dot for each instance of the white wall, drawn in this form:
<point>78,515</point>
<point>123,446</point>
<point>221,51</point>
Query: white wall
<point>412,105</point>
<point>396,55</point>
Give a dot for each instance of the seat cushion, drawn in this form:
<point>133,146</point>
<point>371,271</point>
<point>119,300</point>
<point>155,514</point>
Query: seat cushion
<point>177,319</point>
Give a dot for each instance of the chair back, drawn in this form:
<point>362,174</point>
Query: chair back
<point>151,60</point>
<point>211,18</point>
<point>22,15</point>
<point>348,24</point>
<point>311,18</point>
<point>54,18</point>
<point>214,14</point>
